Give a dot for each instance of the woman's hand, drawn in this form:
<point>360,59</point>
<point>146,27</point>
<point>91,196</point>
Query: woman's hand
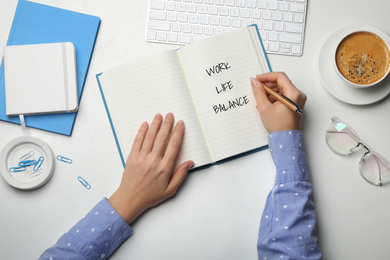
<point>275,115</point>
<point>149,177</point>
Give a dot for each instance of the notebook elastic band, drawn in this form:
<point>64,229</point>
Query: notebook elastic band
<point>65,69</point>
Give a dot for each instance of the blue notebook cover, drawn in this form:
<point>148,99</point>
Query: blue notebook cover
<point>36,23</point>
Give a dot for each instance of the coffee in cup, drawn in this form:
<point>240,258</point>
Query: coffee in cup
<point>363,58</point>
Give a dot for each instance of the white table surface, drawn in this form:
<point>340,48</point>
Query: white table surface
<point>216,212</point>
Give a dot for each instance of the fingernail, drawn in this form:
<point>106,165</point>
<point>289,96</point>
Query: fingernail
<point>158,116</point>
<point>180,123</point>
<point>145,124</point>
<point>254,81</point>
<point>169,115</point>
<point>190,165</point>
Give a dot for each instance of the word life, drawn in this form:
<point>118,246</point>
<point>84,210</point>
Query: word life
<point>218,68</point>
<point>238,102</point>
<point>224,87</point>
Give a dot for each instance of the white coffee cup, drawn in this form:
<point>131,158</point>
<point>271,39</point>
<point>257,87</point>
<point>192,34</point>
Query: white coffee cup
<point>361,60</point>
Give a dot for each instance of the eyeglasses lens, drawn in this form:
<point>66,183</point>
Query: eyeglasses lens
<point>341,138</point>
<point>374,168</point>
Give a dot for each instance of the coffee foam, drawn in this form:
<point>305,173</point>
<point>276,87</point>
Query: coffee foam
<point>363,58</point>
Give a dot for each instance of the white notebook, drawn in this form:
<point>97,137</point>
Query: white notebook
<point>40,79</point>
<point>206,84</point>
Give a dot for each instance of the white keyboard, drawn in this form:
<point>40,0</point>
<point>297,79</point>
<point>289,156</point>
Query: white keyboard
<point>281,23</point>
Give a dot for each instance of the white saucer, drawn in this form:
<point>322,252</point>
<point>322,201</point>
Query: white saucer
<point>338,87</point>
<point>18,150</point>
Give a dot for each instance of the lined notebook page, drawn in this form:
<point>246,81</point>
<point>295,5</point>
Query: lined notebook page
<point>218,72</point>
<point>136,92</point>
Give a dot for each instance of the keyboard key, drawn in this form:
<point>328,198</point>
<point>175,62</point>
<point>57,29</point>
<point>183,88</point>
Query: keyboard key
<point>193,18</point>
<point>263,35</point>
<point>299,18</point>
<point>251,4</point>
<point>287,17</point>
<point>283,6</point>
<point>214,20</point>
<point>172,16</point>
<point>151,35</point>
<point>299,8</point>
<point>262,4</point>
<point>229,2</point>
<point>246,22</point>
<point>170,6</point>
<point>185,38</point>
<point>213,10</point>
<point>255,14</point>
<point>266,46</point>
<point>259,24</point>
<point>181,7</point>
<point>225,21</point>
<point>218,30</point>
<point>268,25</point>
<point>274,46</point>
<point>267,15</point>
<point>285,45</point>
<point>277,16</point>
<point>187,28</point>
<point>198,29</point>
<point>234,12</point>
<point>240,3</point>
<point>279,27</point>
<point>223,11</point>
<point>157,5</point>
<point>236,22</point>
<point>191,8</point>
<point>272,36</point>
<point>283,50</point>
<point>202,9</point>
<point>208,30</point>
<point>272,5</point>
<point>157,15</point>
<point>204,19</point>
<point>244,13</point>
<point>296,49</point>
<point>290,37</point>
<point>182,17</point>
<point>172,37</point>
<point>293,27</point>
<point>176,27</point>
<point>159,26</point>
<point>162,36</point>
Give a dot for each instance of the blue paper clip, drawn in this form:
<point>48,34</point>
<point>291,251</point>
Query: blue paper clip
<point>17,169</point>
<point>37,173</point>
<point>27,163</point>
<point>26,156</point>
<point>64,159</point>
<point>84,182</point>
<point>39,163</point>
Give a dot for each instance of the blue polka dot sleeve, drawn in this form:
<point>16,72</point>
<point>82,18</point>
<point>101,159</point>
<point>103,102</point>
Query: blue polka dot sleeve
<point>96,236</point>
<point>288,224</point>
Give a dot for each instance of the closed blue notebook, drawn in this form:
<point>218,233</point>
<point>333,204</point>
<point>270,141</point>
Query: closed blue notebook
<point>36,23</point>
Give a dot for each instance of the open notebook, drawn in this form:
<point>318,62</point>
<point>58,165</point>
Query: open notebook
<point>206,84</point>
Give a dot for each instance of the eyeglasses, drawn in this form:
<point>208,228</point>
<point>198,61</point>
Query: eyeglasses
<point>342,139</point>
